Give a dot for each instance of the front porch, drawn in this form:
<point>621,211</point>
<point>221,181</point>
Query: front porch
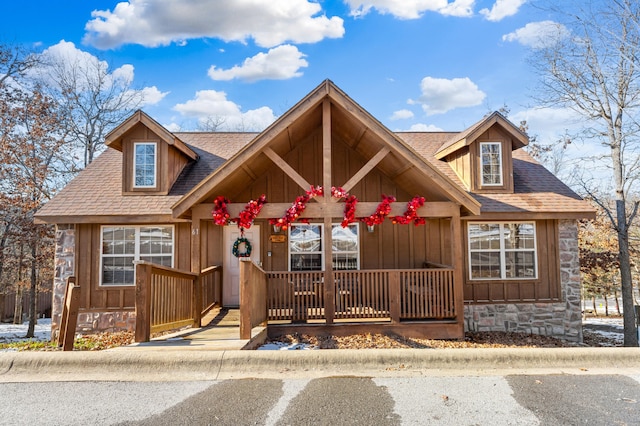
<point>411,302</point>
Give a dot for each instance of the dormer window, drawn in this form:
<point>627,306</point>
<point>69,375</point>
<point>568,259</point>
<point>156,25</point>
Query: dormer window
<point>144,164</point>
<point>491,163</point>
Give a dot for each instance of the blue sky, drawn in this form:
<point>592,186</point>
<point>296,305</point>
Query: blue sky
<point>413,64</point>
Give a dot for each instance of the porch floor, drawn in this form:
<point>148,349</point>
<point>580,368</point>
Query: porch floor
<point>220,332</point>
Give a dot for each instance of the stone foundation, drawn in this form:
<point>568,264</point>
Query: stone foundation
<point>64,263</point>
<point>561,319</point>
<point>101,322</point>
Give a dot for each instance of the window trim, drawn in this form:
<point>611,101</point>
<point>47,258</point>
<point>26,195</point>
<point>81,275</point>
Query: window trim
<point>500,165</point>
<point>503,251</point>
<point>136,254</point>
<point>155,164</point>
<point>322,252</point>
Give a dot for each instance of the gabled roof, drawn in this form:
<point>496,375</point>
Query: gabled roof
<point>114,137</point>
<point>466,137</point>
<point>404,160</point>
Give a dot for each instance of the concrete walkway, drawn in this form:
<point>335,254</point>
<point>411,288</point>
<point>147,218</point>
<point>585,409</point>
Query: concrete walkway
<point>221,333</point>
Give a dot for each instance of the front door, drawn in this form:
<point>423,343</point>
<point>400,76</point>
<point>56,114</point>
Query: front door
<point>231,266</point>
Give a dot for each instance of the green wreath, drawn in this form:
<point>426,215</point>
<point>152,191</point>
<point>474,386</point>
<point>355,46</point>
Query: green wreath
<point>236,247</point>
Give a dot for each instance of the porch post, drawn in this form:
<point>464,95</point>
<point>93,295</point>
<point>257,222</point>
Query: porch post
<point>329,283</point>
<point>457,256</point>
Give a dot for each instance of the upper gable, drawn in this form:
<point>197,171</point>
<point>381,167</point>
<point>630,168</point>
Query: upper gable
<point>152,157</point>
<point>482,155</point>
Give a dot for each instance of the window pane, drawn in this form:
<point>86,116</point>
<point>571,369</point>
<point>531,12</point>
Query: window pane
<point>306,262</point>
<point>345,261</point>
<point>145,164</point>
<point>344,239</point>
<point>520,264</point>
<point>484,236</point>
<point>305,238</point>
<point>485,265</point>
<point>491,163</point>
<point>519,236</point>
<point>117,270</point>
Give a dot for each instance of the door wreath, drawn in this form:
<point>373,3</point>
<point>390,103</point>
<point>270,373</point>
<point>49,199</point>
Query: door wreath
<point>236,247</point>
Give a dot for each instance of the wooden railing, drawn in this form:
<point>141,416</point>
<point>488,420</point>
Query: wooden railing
<point>253,295</point>
<point>390,295</point>
<point>168,298</point>
<point>211,285</point>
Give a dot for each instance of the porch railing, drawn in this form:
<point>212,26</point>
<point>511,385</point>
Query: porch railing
<point>365,295</point>
<point>168,298</point>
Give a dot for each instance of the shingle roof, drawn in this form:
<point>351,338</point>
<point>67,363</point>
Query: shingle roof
<point>97,191</point>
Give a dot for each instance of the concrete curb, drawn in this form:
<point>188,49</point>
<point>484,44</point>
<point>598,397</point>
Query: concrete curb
<point>216,365</point>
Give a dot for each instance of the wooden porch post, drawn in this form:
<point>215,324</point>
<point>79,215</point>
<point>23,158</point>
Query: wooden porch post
<point>457,257</point>
<point>329,282</point>
<point>245,299</point>
<point>69,318</point>
<point>143,302</point>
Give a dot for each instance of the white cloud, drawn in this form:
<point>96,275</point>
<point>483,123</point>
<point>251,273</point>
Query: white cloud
<point>502,9</point>
<point>280,63</point>
<point>161,22</point>
<point>214,104</point>
<point>420,127</point>
<point>411,9</point>
<point>538,34</point>
<point>72,60</point>
<point>402,114</point>
<point>440,95</point>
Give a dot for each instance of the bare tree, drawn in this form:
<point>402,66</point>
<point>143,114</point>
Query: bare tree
<point>92,99</point>
<point>593,70</point>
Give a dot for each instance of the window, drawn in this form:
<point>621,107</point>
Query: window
<point>491,163</point>
<point>306,247</point>
<point>502,251</point>
<point>123,245</point>
<point>144,165</point>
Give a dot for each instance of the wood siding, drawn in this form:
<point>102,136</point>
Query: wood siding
<point>169,162</point>
<point>545,288</point>
<point>494,134</point>
<point>117,298</point>
<point>460,162</point>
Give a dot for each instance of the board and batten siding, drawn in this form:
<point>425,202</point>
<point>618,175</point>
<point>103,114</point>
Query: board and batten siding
<point>117,298</point>
<point>546,288</point>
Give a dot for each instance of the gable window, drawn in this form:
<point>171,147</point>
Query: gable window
<point>502,251</point>
<point>123,245</point>
<point>144,164</point>
<point>491,163</point>
<point>306,252</point>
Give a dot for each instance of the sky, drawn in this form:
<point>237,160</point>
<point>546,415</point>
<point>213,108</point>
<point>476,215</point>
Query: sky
<point>413,64</point>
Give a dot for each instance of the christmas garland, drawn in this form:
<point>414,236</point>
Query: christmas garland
<point>245,218</point>
<point>236,247</point>
<point>411,214</point>
<point>252,209</point>
<point>382,211</point>
<point>297,208</point>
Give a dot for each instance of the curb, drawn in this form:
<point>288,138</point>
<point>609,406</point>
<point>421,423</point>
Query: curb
<point>217,365</point>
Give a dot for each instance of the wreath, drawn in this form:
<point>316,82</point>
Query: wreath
<point>236,247</point>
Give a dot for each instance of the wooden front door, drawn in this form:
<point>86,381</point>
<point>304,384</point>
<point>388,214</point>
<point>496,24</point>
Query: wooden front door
<point>231,266</point>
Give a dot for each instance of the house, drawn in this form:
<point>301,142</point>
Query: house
<point>423,234</point>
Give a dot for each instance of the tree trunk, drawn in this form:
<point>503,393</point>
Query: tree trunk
<point>606,306</point>
<point>615,294</point>
<point>629,317</point>
<point>33,292</point>
<point>17,311</point>
<point>595,310</point>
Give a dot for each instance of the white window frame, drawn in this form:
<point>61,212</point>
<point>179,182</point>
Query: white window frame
<point>500,165</point>
<point>322,251</point>
<point>503,252</point>
<point>155,163</point>
<point>136,255</point>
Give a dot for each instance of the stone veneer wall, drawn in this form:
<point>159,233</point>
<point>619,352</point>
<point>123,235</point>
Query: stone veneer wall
<point>562,319</point>
<point>88,322</point>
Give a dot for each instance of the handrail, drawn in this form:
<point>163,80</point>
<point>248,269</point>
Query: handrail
<point>169,298</point>
<point>363,295</point>
<point>69,318</point>
<point>253,297</point>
